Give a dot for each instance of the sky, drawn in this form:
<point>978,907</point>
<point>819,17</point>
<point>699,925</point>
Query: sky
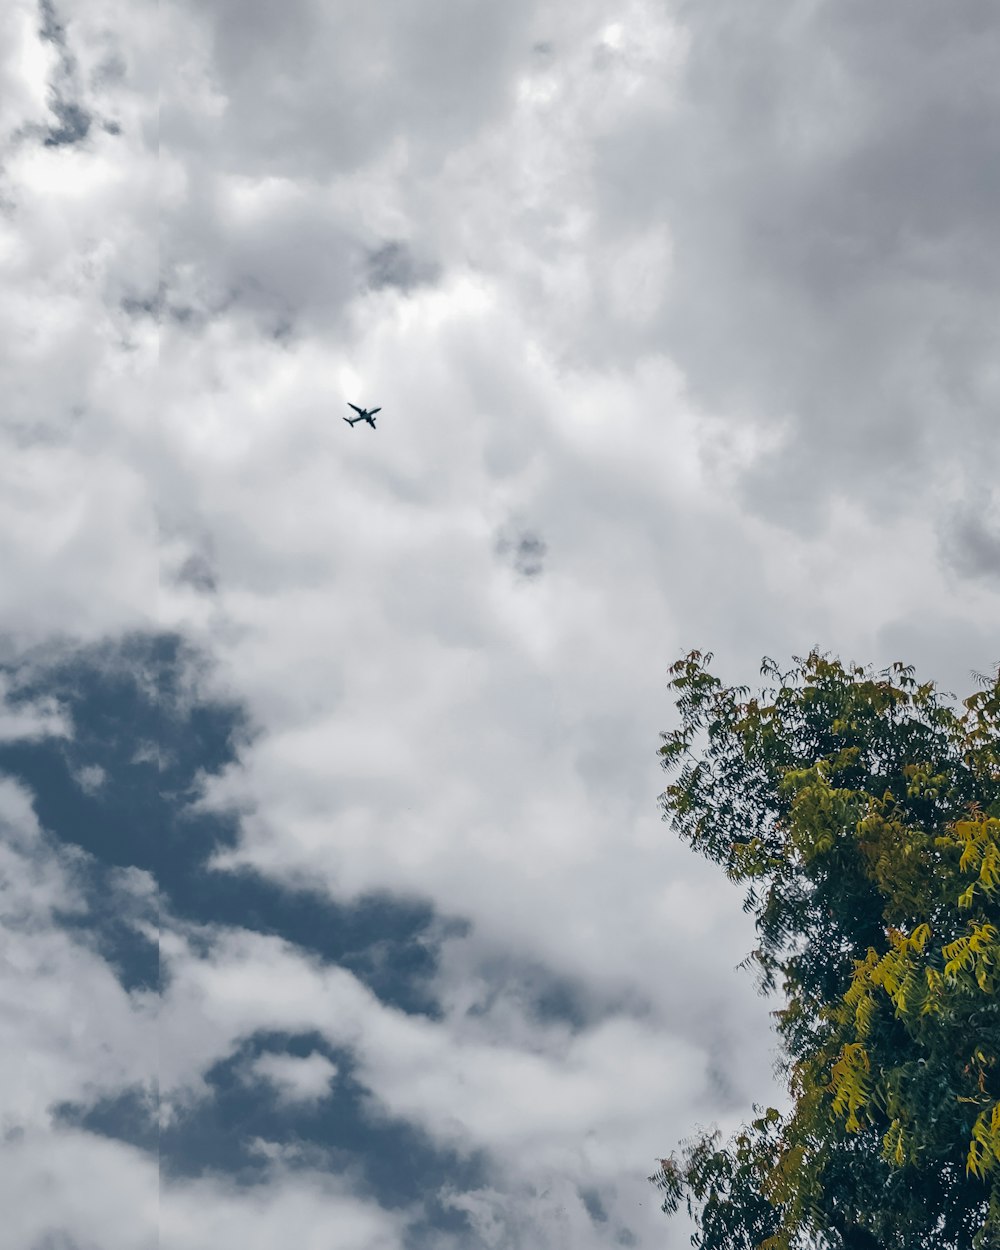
<point>338,910</point>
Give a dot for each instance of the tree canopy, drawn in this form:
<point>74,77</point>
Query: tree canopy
<point>863,809</point>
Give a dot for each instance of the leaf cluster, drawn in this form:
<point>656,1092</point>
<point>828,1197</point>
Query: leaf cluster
<point>863,809</point>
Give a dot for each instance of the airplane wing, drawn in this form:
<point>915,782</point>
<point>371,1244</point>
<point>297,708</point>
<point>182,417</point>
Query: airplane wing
<point>355,407</point>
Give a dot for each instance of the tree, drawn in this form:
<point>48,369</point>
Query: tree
<point>864,811</point>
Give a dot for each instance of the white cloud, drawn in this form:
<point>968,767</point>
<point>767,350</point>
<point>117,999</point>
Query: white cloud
<point>25,65</point>
<point>295,1080</point>
<point>588,1107</point>
<point>70,1188</point>
<point>310,1210</point>
<point>30,718</point>
<point>90,778</point>
<point>69,1031</point>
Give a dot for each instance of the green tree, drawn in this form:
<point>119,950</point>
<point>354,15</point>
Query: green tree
<point>864,811</point>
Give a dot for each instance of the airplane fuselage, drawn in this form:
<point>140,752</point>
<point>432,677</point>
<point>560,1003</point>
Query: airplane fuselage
<point>364,414</point>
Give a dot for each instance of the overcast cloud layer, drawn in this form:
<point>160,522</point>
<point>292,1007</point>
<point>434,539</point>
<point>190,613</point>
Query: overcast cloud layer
<point>337,908</point>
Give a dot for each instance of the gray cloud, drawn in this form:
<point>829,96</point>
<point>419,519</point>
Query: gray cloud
<point>350,86</point>
<point>524,550</point>
<point>393,264</point>
<point>834,202</point>
<point>74,124</point>
<point>972,541</point>
<point>197,571</point>
<point>73,120</point>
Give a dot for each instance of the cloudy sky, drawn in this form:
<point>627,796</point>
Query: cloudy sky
<point>337,908</point>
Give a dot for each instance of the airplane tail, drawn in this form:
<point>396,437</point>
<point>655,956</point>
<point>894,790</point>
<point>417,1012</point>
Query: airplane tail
<point>349,422</point>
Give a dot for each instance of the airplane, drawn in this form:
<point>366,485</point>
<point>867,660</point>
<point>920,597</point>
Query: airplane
<point>364,414</point>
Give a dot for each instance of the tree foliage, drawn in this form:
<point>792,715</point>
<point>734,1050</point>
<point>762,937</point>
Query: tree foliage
<point>863,809</point>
